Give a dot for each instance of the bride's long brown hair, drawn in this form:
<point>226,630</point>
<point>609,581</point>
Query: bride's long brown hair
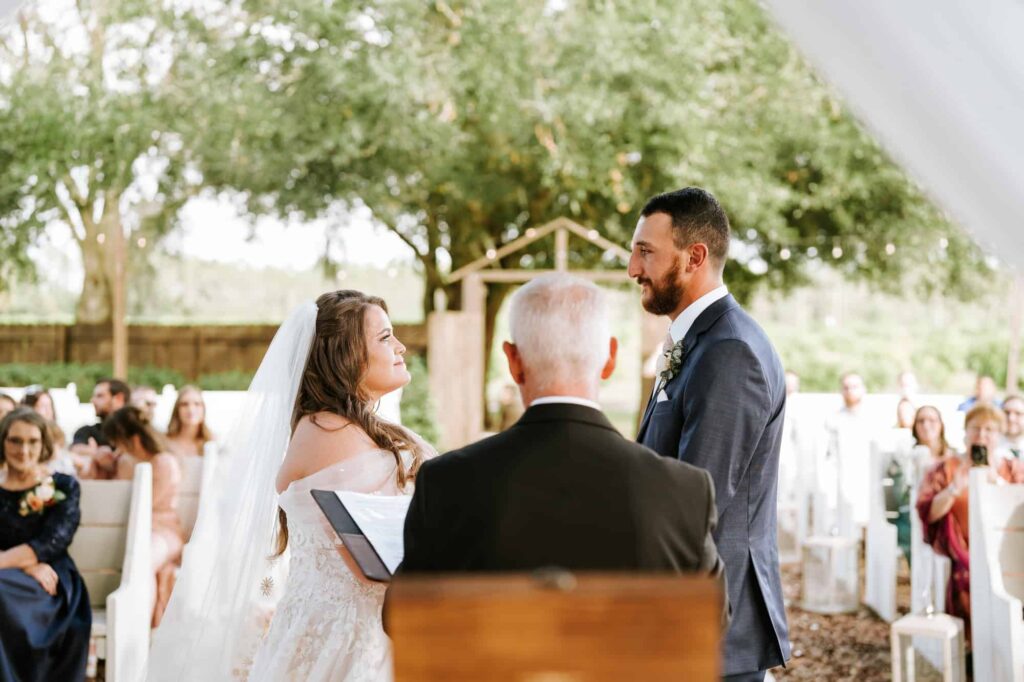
<point>333,382</point>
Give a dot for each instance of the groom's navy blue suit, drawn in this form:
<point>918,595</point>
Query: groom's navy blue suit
<point>724,413</point>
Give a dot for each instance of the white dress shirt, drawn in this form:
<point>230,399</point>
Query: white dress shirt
<point>570,399</point>
<point>682,324</point>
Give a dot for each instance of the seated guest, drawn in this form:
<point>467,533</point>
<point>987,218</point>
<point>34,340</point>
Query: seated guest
<point>145,398</point>
<point>984,392</point>
<point>187,433</point>
<point>904,414</point>
<point>1013,439</point>
<point>942,503</point>
<point>561,487</point>
<point>7,403</point>
<point>45,619</point>
<point>930,444</point>
<point>135,441</point>
<point>89,443</point>
<point>40,400</point>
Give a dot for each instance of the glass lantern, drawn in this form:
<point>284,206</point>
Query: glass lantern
<point>942,629</point>
<point>830,574</point>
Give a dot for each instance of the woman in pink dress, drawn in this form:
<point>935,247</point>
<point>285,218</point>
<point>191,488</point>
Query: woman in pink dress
<point>135,441</point>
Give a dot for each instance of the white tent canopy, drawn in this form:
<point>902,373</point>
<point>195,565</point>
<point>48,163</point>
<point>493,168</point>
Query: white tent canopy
<point>941,84</point>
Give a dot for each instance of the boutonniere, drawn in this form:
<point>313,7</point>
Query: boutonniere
<point>673,361</point>
<point>38,498</point>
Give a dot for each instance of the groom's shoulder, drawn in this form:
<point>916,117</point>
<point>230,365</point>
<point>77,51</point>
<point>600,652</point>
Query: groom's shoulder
<point>669,471</point>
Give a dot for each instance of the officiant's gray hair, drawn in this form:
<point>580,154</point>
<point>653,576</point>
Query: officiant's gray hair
<point>560,325</point>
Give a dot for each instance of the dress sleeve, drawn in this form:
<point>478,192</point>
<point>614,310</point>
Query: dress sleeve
<point>60,523</point>
<point>934,481</point>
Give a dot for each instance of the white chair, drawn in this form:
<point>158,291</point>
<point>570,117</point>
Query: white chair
<point>112,552</point>
<point>997,579</point>
<point>929,575</point>
<point>881,546</point>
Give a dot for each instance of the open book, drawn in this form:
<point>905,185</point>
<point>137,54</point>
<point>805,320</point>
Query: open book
<point>370,526</point>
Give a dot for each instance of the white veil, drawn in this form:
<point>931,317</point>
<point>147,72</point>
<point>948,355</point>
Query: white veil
<point>214,618</point>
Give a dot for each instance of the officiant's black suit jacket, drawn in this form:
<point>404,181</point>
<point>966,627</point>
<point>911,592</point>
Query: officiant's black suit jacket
<point>560,488</point>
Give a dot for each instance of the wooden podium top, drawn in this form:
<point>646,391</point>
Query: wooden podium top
<point>563,628</point>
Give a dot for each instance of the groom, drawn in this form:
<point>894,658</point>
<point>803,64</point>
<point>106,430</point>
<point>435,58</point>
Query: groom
<point>561,487</point>
<point>718,404</point>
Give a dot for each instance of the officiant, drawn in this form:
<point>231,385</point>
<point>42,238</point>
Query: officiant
<point>561,487</point>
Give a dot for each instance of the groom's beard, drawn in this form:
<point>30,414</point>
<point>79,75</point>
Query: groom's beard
<point>663,298</point>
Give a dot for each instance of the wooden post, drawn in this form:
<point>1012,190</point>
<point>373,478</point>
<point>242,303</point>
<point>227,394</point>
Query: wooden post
<point>1016,314</point>
<point>561,250</point>
<point>118,308</point>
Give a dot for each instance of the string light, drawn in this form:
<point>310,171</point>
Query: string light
<point>491,254</point>
<point>141,242</point>
<point>100,238</point>
<point>837,252</point>
<point>785,253</point>
<point>890,248</point>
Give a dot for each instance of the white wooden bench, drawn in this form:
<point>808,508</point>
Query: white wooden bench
<point>929,575</point>
<point>997,579</point>
<point>112,552</point>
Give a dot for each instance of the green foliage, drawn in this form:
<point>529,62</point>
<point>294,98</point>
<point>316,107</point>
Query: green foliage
<point>462,123</point>
<point>417,406</point>
<point>93,127</point>
<point>234,380</point>
<point>84,376</point>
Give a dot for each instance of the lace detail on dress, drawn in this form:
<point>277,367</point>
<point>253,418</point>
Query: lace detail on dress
<point>327,626</point>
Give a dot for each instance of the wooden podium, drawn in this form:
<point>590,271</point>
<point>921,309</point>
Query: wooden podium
<point>555,628</point>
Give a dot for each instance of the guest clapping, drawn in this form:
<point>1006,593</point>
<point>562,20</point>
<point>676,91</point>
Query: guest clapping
<point>45,619</point>
<point>187,433</point>
<point>135,442</point>
<point>89,442</point>
<point>942,502</point>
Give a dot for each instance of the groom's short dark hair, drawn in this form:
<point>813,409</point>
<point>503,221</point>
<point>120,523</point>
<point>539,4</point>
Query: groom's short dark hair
<point>696,217</point>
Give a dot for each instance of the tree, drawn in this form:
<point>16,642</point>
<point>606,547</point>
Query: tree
<point>459,124</point>
<point>92,132</point>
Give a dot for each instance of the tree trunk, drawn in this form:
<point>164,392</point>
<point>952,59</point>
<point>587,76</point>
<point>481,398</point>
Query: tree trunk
<point>496,295</point>
<point>95,305</point>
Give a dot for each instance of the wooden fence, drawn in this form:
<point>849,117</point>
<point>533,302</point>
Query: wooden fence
<point>191,350</point>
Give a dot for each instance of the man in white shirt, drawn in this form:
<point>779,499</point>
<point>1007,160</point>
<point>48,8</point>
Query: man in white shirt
<point>1013,440</point>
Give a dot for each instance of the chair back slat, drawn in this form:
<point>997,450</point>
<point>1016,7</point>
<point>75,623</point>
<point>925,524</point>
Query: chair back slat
<point>99,545</point>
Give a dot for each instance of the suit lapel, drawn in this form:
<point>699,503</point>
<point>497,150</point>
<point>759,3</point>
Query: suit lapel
<point>705,321</point>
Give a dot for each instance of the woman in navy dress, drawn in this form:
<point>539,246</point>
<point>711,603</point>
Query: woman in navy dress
<point>45,617</point>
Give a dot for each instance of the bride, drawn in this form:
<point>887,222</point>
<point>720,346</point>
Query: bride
<point>326,368</point>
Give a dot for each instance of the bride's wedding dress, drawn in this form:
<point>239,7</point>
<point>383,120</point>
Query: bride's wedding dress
<point>327,620</point>
<point>327,625</point>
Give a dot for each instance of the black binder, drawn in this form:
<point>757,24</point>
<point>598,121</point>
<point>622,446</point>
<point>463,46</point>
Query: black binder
<point>351,536</point>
